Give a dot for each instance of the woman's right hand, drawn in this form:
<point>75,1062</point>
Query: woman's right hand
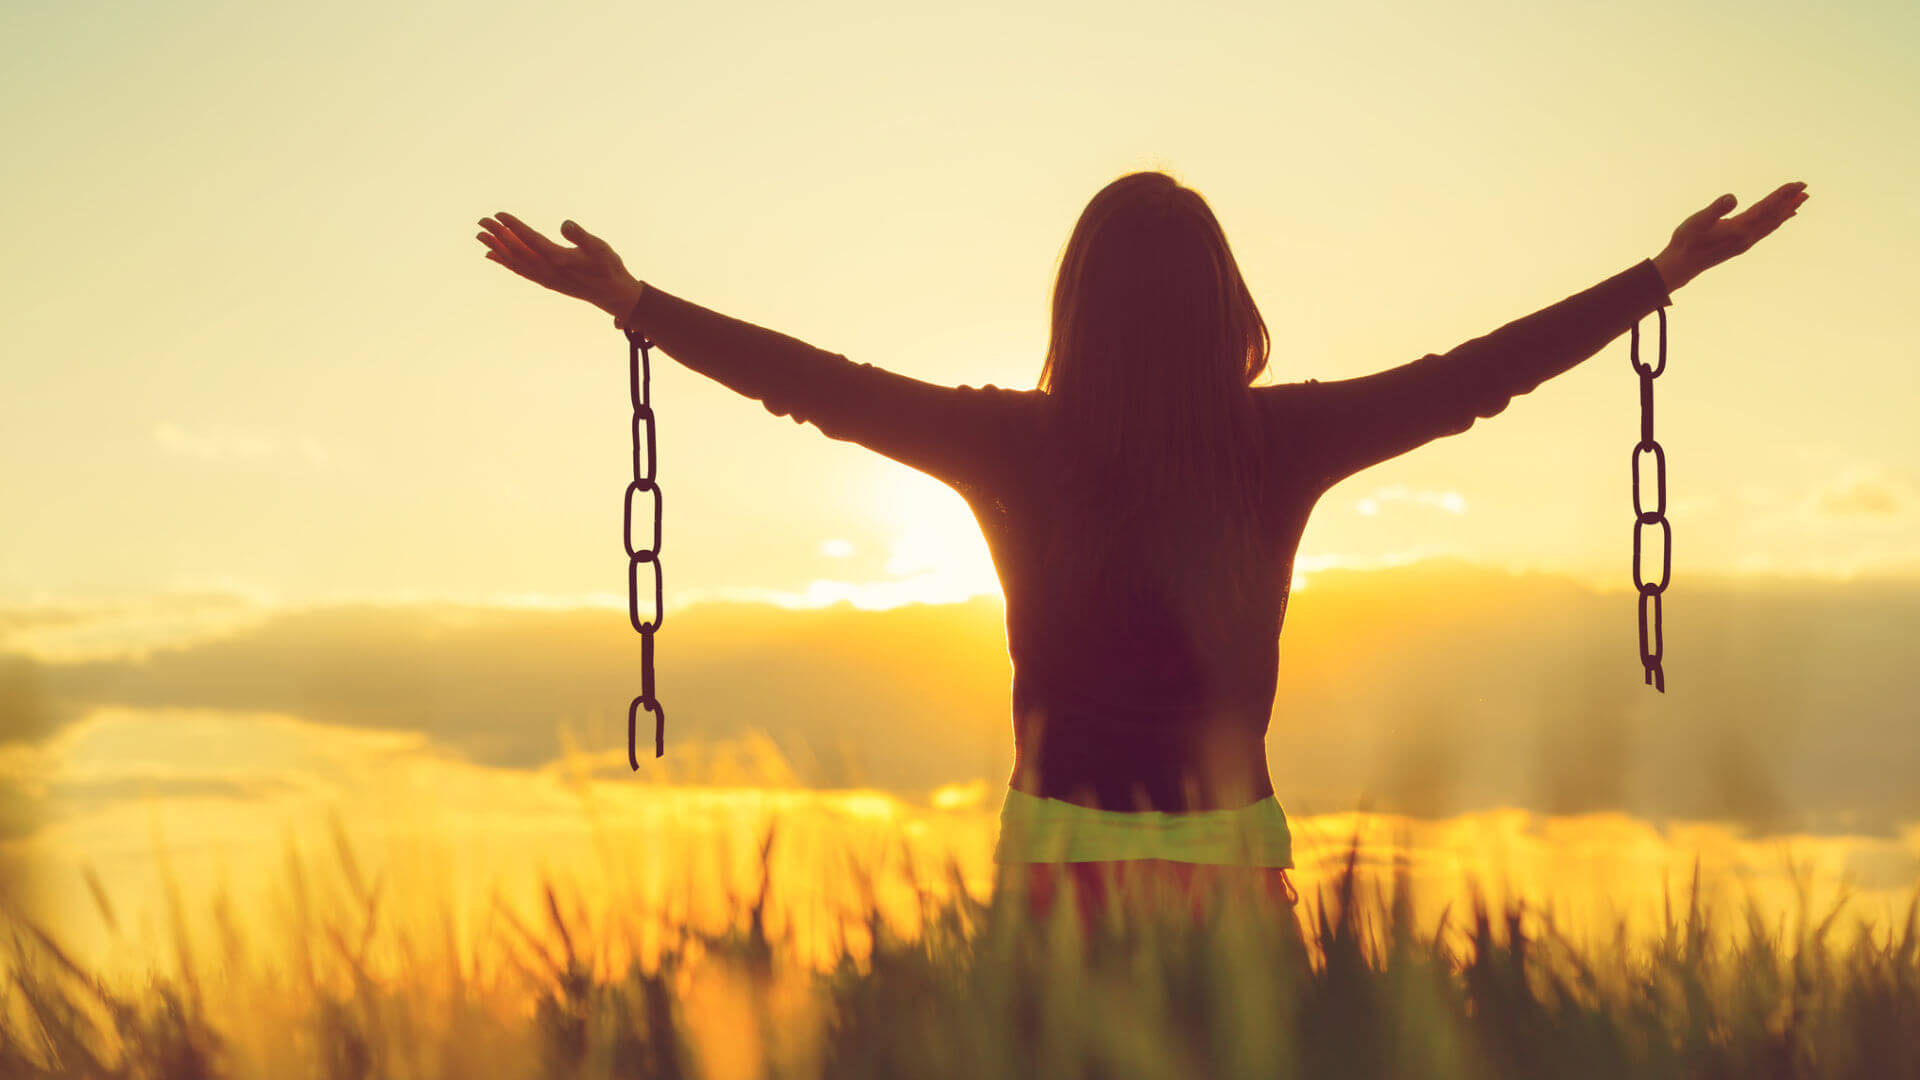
<point>1707,239</point>
<point>590,271</point>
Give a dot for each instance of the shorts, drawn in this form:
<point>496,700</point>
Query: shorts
<point>1144,860</point>
<point>1034,829</point>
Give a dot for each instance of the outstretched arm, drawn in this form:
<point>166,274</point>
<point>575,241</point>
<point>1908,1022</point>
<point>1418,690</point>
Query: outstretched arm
<point>1348,425</point>
<point>957,434</point>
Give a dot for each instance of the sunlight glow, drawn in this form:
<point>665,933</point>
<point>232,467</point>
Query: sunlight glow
<point>964,796</point>
<point>1450,501</point>
<point>933,530</point>
<point>1305,566</point>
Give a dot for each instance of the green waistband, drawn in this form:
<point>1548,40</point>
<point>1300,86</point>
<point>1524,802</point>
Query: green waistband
<point>1041,830</point>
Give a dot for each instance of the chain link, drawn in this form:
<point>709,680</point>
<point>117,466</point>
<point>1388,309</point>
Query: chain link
<point>643,482</point>
<point>1650,593</point>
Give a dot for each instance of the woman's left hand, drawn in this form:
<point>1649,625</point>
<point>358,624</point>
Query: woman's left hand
<point>589,271</point>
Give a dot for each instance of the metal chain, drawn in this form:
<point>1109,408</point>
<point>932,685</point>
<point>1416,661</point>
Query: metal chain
<point>641,371</point>
<point>1642,517</point>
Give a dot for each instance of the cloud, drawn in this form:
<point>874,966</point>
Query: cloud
<point>1436,687</point>
<point>1833,492</point>
<point>1450,501</point>
<point>211,445</point>
<point>834,688</point>
<point>1865,492</point>
<point>223,444</point>
<point>128,627</point>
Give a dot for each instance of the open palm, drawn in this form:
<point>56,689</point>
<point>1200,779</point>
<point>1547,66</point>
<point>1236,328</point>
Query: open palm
<point>1707,238</point>
<point>590,271</point>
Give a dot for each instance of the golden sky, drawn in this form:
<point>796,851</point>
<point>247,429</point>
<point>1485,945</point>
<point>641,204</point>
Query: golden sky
<point>255,365</point>
<point>251,343</point>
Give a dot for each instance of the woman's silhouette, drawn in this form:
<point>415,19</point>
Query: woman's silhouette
<point>1142,505</point>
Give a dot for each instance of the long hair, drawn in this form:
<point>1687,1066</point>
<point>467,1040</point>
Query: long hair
<point>1155,344</point>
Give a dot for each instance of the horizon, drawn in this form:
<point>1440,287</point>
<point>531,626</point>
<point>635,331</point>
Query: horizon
<point>497,684</point>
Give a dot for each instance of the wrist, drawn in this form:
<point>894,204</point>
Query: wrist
<point>619,301</point>
<point>1672,273</point>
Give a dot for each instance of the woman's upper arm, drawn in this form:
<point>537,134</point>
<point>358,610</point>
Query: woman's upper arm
<point>960,435</point>
<point>1347,425</point>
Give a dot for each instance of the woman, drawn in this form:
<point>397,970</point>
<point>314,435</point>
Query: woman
<point>1143,506</point>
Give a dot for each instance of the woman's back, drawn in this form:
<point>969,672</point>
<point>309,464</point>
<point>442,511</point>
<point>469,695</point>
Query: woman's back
<point>1148,685</point>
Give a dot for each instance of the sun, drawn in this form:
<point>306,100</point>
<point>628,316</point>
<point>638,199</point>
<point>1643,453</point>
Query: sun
<point>935,552</point>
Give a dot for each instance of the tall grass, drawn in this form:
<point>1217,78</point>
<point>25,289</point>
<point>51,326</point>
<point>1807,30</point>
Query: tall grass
<point>973,987</point>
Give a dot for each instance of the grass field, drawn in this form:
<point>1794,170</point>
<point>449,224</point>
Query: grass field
<point>905,968</point>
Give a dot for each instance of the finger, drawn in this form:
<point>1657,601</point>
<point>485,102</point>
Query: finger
<point>1779,219</point>
<point>1711,212</point>
<point>492,245</point>
<point>1755,231</point>
<point>1775,202</point>
<point>498,252</point>
<point>509,264</point>
<point>497,248</point>
<point>1787,197</point>
<point>529,235</point>
<point>1779,207</point>
<point>514,242</point>
<point>511,244</point>
<point>572,231</point>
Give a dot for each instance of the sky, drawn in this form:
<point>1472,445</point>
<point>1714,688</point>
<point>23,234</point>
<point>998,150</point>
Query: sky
<point>309,505</point>
<point>252,344</point>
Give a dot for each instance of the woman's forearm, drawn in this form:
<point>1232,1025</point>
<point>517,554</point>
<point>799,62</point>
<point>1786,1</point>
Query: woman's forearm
<point>1517,357</point>
<point>790,376</point>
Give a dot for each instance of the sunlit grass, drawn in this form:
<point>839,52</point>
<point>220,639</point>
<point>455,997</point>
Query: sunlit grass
<point>846,951</point>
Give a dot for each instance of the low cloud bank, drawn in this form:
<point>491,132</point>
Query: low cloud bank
<point>1431,689</point>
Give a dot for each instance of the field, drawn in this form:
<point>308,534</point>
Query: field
<point>849,942</point>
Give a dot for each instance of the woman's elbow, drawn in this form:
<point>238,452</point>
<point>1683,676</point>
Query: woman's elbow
<point>1461,422</point>
<point>1489,408</point>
